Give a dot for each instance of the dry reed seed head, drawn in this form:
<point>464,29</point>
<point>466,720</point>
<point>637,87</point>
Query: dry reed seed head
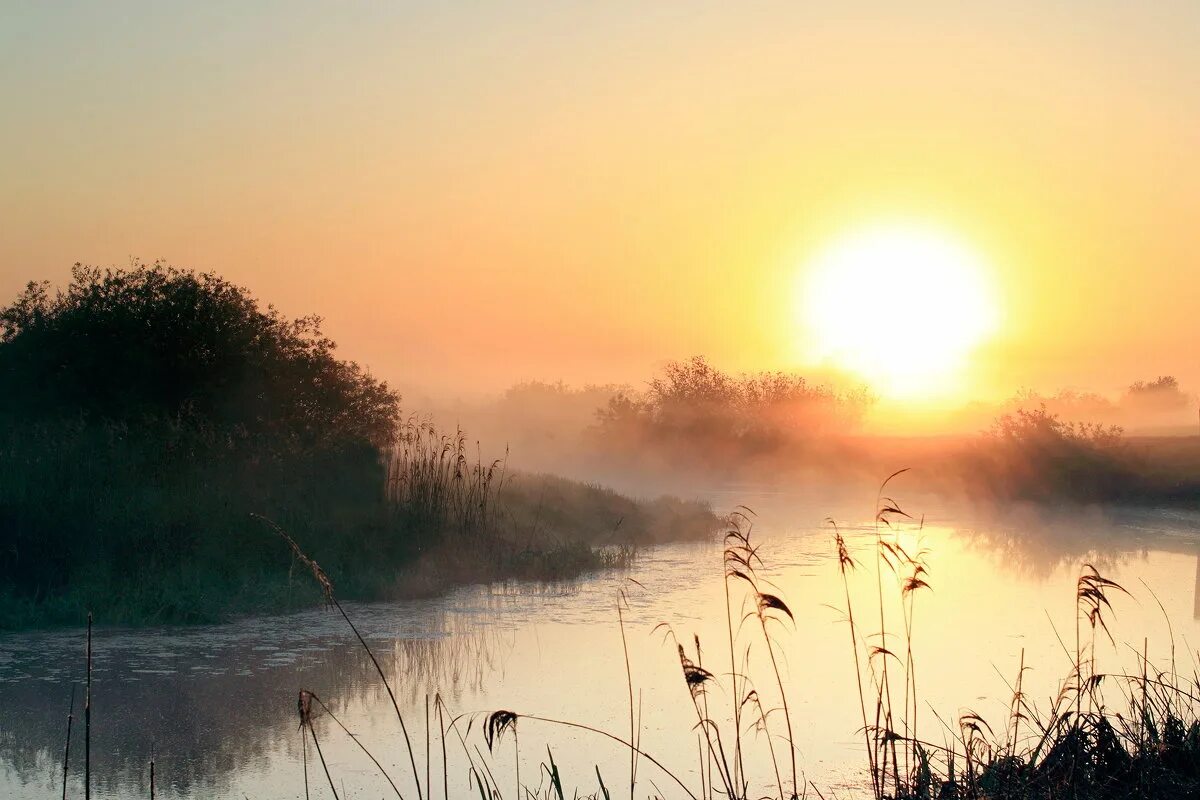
<point>694,676</point>
<point>877,650</point>
<point>845,562</point>
<point>734,572</point>
<point>767,602</point>
<point>887,509</point>
<point>318,574</point>
<point>1091,592</point>
<point>735,538</point>
<point>887,735</point>
<point>973,722</point>
<point>893,554</point>
<point>496,723</point>
<point>304,707</point>
<point>914,582</point>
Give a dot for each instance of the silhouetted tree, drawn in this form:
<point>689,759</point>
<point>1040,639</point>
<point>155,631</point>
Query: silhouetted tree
<point>1161,394</point>
<point>149,343</point>
<point>146,413</point>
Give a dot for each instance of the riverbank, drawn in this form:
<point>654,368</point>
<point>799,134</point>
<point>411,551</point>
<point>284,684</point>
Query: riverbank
<point>541,528</point>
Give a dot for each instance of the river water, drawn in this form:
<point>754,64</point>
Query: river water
<point>215,707</point>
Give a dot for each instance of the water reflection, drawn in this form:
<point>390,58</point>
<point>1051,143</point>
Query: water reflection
<point>208,703</point>
<point>1038,542</point>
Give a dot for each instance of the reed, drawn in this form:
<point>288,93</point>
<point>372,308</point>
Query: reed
<point>67,746</point>
<point>304,704</point>
<point>327,591</point>
<point>633,736</point>
<point>87,717</point>
<point>740,557</point>
<point>358,742</point>
<point>845,564</point>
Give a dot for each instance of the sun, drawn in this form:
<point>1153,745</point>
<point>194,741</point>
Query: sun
<point>901,306</point>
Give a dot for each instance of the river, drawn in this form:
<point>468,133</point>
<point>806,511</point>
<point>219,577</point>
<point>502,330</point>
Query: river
<point>216,707</point>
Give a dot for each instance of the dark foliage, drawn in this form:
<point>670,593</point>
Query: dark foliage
<point>1033,454</point>
<point>153,343</point>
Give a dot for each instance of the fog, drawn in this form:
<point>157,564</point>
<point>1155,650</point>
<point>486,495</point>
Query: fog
<point>693,427</point>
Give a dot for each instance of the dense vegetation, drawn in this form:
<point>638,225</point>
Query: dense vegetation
<point>695,411</point>
<point>148,415</point>
<point>1036,455</point>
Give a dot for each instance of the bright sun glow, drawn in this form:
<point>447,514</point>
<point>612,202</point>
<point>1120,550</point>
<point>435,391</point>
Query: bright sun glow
<point>901,306</point>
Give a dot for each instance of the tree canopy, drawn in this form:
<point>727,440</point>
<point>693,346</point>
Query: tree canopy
<point>153,342</point>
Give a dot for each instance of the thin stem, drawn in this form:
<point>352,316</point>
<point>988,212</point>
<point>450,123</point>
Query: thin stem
<point>361,746</point>
<point>428,783</point>
<point>87,718</point>
<point>304,757</point>
<point>321,756</point>
<point>67,748</point>
<point>739,769</point>
<point>391,695</point>
<point>629,685</point>
<point>787,717</point>
<point>862,702</point>
<point>641,753</point>
<point>437,701</point>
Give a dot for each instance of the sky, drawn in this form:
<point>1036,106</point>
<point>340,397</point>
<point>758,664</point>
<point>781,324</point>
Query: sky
<point>473,194</point>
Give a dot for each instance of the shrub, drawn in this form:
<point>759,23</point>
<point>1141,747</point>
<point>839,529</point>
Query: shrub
<point>1034,454</point>
<point>697,410</point>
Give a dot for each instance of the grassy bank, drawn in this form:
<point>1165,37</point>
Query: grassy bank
<point>102,521</point>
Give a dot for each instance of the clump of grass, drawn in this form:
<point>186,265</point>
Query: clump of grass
<point>1078,747</point>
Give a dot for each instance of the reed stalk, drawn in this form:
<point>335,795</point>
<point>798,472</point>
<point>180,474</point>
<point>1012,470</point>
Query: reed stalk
<point>67,746</point>
<point>87,718</point>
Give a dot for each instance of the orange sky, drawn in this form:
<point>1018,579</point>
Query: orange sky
<point>473,195</point>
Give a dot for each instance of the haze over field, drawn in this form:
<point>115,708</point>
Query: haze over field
<point>473,196</point>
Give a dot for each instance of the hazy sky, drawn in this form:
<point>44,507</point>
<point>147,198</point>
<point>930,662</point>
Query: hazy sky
<point>472,194</point>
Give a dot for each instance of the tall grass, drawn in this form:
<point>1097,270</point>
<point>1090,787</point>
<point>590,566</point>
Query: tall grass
<point>432,482</point>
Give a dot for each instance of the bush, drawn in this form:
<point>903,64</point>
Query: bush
<point>1036,455</point>
<point>696,410</point>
